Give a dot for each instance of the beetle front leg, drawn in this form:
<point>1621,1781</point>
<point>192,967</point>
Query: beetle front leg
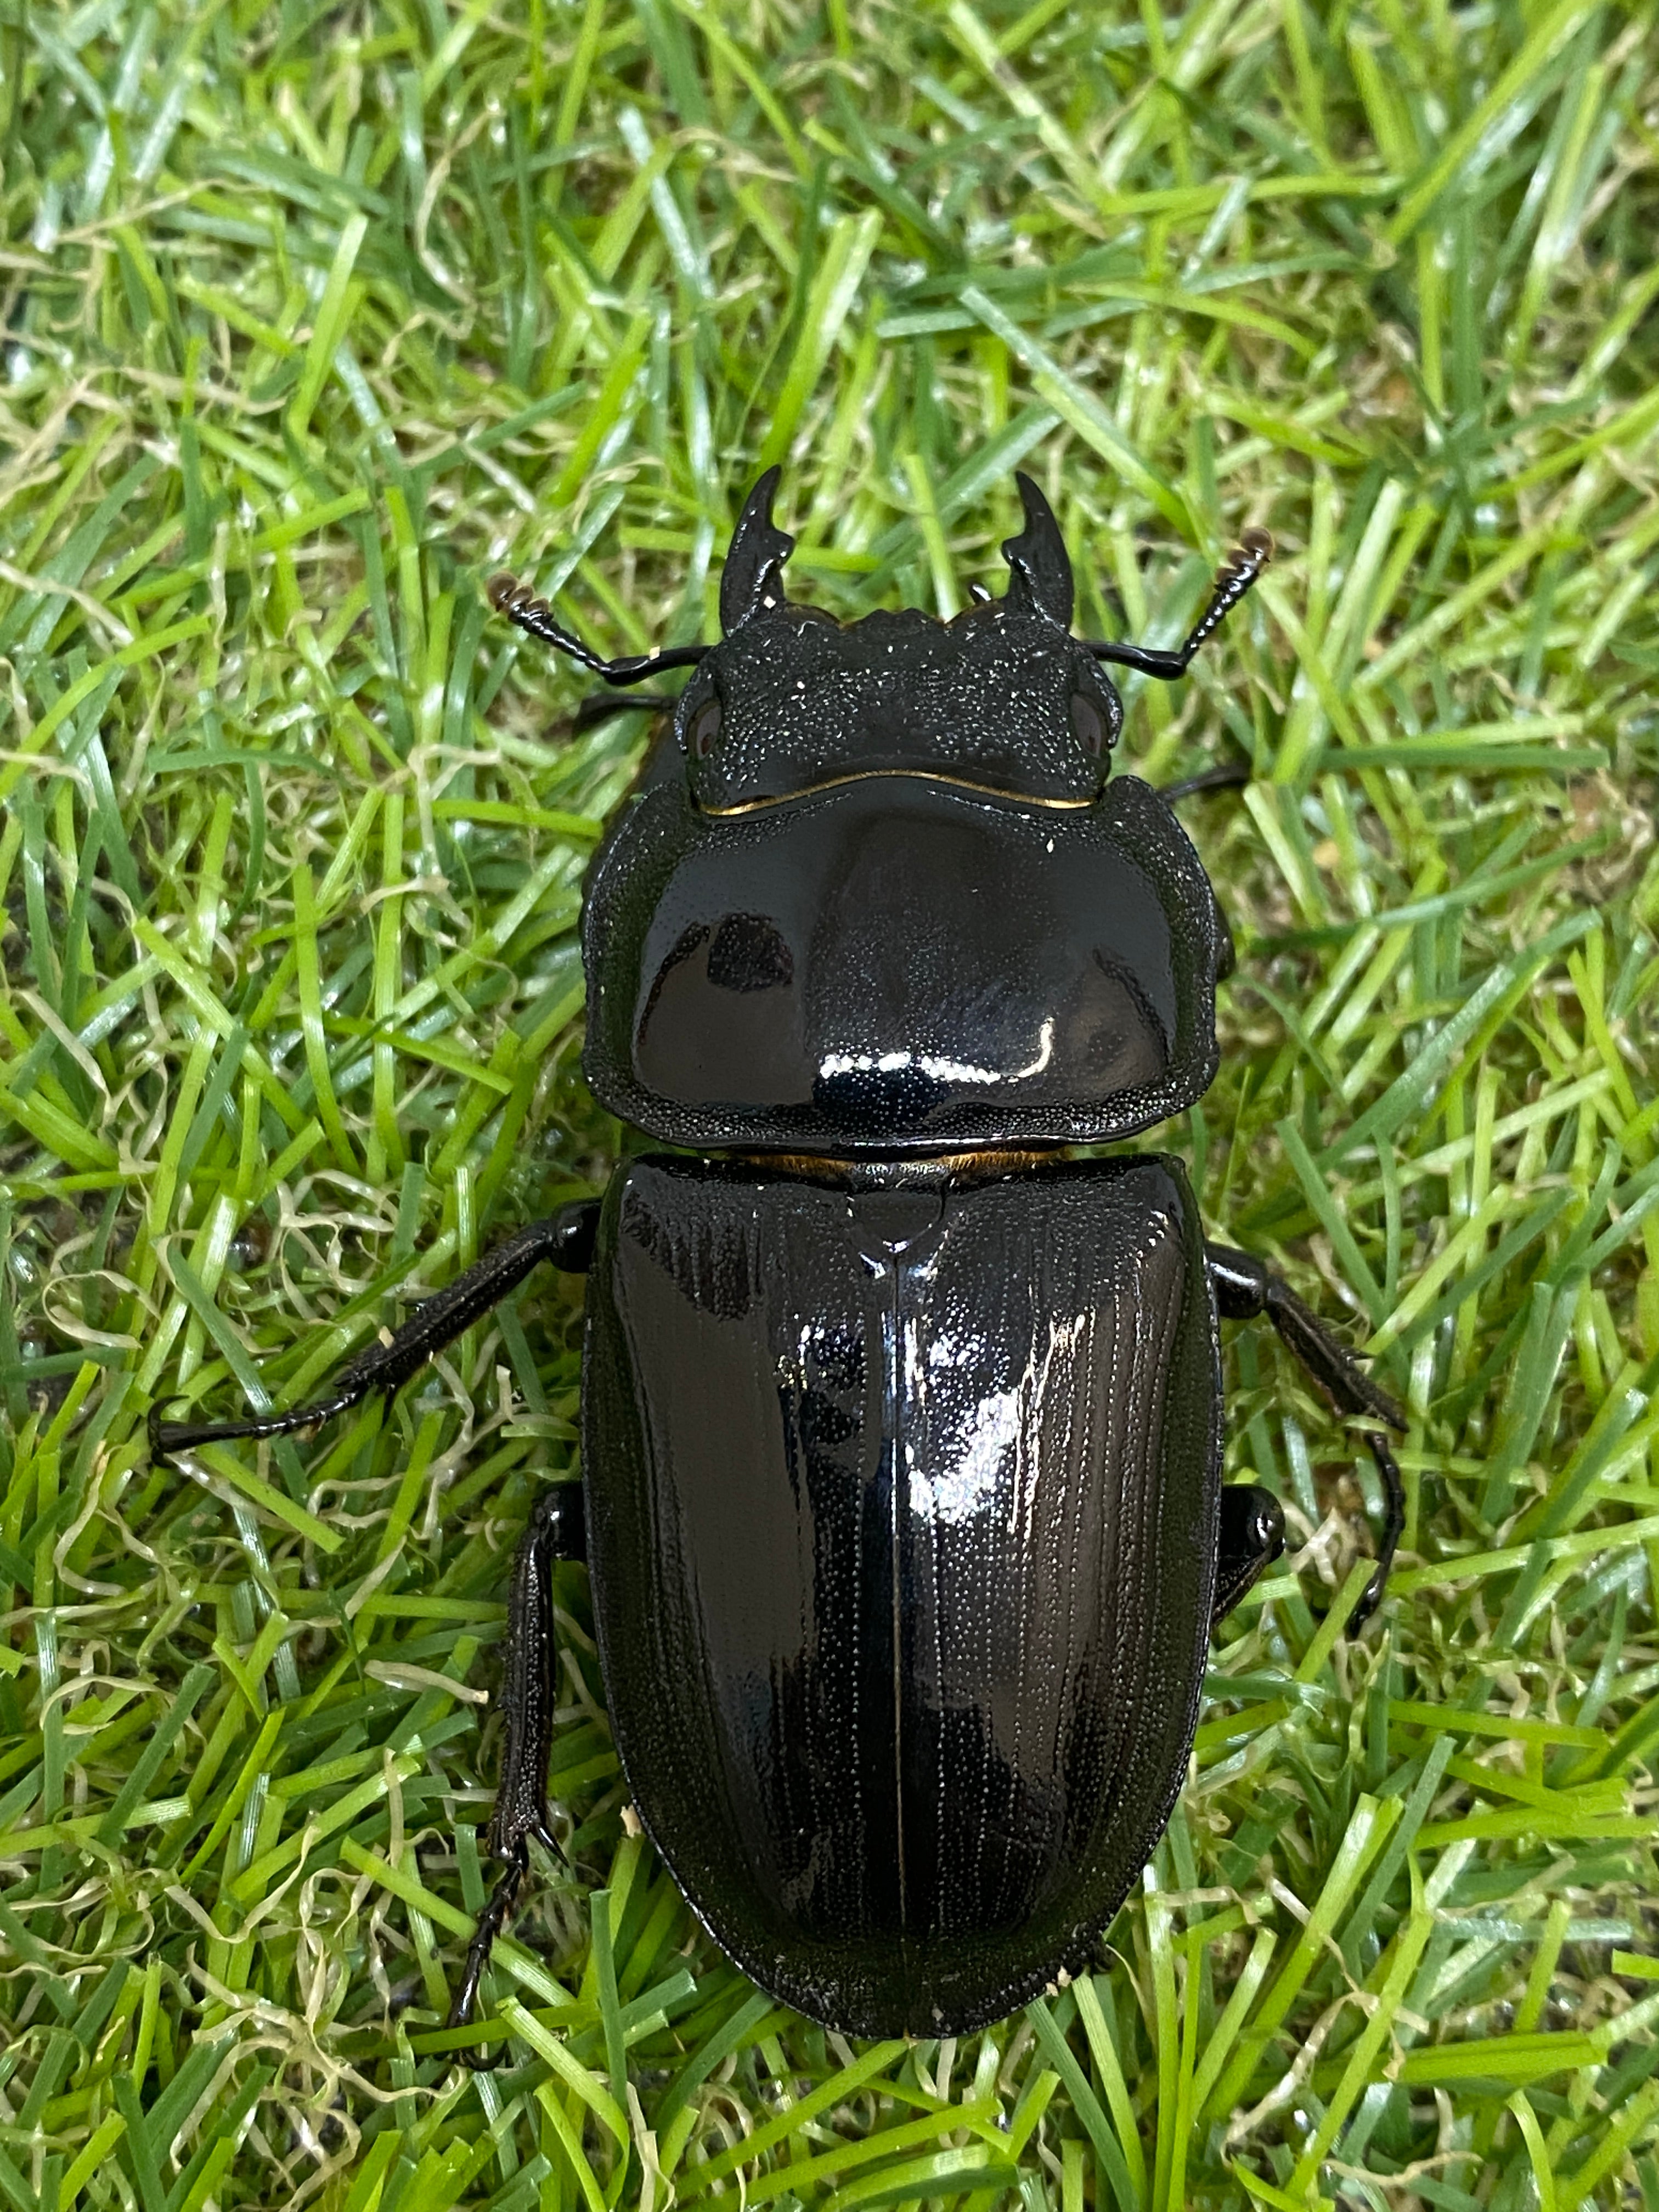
<point>1245,1288</point>
<point>1232,775</point>
<point>556,1533</point>
<point>599,706</point>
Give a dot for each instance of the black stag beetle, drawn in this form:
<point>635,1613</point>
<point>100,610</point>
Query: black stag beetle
<point>901,1429</point>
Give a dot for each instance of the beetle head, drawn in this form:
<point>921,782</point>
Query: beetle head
<point>1002,698</point>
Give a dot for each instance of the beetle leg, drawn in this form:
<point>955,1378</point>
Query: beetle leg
<point>1232,776</point>
<point>599,706</point>
<point>1252,1538</point>
<point>1233,579</point>
<point>522,608</point>
<point>557,1532</point>
<point>566,1239</point>
<point>1245,1288</point>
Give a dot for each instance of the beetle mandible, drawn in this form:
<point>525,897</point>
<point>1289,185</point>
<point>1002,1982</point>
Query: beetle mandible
<point>902,1431</point>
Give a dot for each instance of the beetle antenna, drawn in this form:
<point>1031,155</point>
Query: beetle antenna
<point>1234,578</point>
<point>490,1923</point>
<point>527,612</point>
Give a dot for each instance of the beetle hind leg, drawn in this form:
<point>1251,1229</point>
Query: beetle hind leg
<point>556,1533</point>
<point>1245,1288</point>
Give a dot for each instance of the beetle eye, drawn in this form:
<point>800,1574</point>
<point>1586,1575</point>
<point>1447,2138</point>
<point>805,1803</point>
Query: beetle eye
<point>1089,723</point>
<point>705,728</point>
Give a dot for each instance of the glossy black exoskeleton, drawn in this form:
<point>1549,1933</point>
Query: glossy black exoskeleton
<point>902,1429</point>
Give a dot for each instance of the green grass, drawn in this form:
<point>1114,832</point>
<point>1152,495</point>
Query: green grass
<point>312,318</point>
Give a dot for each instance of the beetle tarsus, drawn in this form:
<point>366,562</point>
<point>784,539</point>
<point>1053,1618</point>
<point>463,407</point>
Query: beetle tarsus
<point>1237,573</point>
<point>565,1239</point>
<point>492,1921</point>
<point>1245,1288</point>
